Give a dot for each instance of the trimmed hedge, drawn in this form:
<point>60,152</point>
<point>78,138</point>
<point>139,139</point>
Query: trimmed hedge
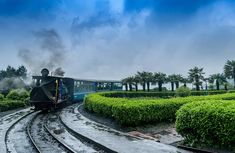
<point>137,111</point>
<point>1,97</point>
<point>166,94</point>
<point>210,122</point>
<point>8,105</point>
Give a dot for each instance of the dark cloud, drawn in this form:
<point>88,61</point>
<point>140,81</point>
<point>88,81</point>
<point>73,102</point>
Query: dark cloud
<point>101,42</point>
<point>50,52</point>
<point>28,8</point>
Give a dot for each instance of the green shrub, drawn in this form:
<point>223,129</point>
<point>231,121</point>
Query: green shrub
<point>17,94</point>
<point>209,92</point>
<point>143,110</point>
<point>210,122</point>
<point>139,94</point>
<point>1,97</point>
<point>183,92</point>
<point>166,94</point>
<point>8,105</point>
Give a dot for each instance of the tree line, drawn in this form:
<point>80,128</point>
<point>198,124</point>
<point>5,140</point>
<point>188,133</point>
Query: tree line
<point>195,76</point>
<point>10,72</point>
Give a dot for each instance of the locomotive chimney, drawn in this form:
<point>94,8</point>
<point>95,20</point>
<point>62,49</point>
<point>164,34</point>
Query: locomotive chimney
<point>45,72</point>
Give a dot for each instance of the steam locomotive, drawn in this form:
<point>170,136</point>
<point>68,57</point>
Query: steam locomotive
<point>49,92</point>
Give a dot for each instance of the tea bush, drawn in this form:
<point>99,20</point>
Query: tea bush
<point>166,94</point>
<point>1,97</point>
<point>137,111</point>
<point>14,99</point>
<point>183,92</point>
<point>8,105</point>
<point>210,122</point>
<point>18,94</point>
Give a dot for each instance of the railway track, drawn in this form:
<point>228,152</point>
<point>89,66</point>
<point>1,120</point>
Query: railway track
<point>38,135</point>
<point>43,139</point>
<point>47,132</point>
<point>13,129</point>
<point>23,128</point>
<point>70,139</point>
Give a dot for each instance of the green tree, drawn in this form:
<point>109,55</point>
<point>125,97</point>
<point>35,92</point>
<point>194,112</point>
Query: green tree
<point>219,79</point>
<point>229,70</point>
<point>144,78</point>
<point>130,82</point>
<point>196,76</point>
<point>136,80</point>
<point>160,79</point>
<point>174,79</point>
<point>10,72</point>
<point>21,72</point>
<point>125,83</point>
<point>185,80</point>
<point>149,80</point>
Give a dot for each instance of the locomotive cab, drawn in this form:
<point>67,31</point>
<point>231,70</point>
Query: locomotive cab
<point>49,91</point>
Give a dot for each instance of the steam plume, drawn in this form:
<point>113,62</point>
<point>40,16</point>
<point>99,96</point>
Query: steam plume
<point>49,52</point>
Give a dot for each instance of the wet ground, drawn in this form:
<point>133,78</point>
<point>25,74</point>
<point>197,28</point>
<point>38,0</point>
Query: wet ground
<point>161,132</point>
<point>44,142</point>
<point>53,123</point>
<point>17,134</point>
<point>6,122</point>
<point>10,112</point>
<point>115,140</point>
<point>103,131</point>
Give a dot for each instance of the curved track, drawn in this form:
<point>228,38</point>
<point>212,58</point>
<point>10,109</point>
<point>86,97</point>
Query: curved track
<point>48,133</point>
<point>13,131</point>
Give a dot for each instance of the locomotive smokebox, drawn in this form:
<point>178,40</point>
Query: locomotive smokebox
<point>45,72</point>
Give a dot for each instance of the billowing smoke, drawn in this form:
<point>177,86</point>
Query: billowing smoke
<point>7,84</point>
<point>49,52</point>
<point>59,72</point>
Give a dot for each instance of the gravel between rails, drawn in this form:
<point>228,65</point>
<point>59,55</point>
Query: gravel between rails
<point>55,126</point>
<point>42,139</point>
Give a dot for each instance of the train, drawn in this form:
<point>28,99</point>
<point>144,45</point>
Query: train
<point>49,92</point>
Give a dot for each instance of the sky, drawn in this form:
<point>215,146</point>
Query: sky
<point>112,39</point>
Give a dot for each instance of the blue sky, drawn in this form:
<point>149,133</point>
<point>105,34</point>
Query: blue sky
<point>109,39</point>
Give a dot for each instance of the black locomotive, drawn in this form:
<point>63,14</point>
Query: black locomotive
<point>52,91</point>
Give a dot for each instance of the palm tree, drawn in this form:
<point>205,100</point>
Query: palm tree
<point>224,81</point>
<point>171,79</point>
<point>142,77</point>
<point>179,79</point>
<point>130,81</point>
<point>124,82</point>
<point>145,78</point>
<point>216,78</point>
<point>136,80</point>
<point>174,79</point>
<point>149,79</point>
<point>185,80</point>
<point>206,81</point>
<point>229,70</point>
<point>196,76</point>
<point>160,78</point>
<point>219,79</point>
